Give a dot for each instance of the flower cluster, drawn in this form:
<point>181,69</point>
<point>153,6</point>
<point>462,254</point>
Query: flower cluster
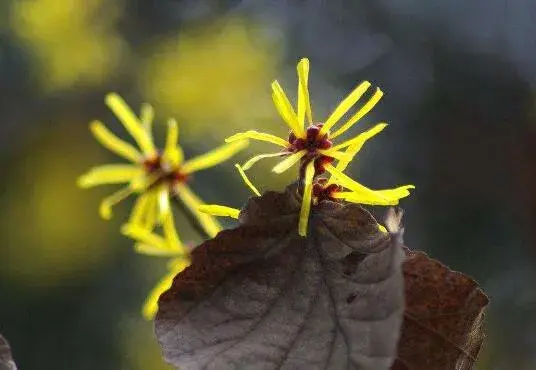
<point>156,176</point>
<point>313,148</point>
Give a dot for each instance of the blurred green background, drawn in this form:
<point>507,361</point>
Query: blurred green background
<point>459,79</point>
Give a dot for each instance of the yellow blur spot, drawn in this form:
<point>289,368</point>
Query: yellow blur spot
<point>53,235</point>
<point>73,41</point>
<point>211,76</point>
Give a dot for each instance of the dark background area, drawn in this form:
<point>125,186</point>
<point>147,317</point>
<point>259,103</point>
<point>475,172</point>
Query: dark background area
<point>459,79</point>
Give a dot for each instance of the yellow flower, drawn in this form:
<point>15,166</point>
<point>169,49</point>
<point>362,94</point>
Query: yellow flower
<point>313,146</point>
<point>156,175</point>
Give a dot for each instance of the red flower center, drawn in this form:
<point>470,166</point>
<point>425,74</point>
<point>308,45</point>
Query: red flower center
<point>157,166</point>
<point>312,143</point>
<point>322,191</point>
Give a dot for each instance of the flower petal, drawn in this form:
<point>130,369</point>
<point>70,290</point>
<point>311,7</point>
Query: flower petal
<point>288,162</point>
<point>131,123</point>
<point>344,106</point>
<point>335,154</point>
<point>367,196</point>
<point>285,110</point>
<point>164,208</point>
<point>304,104</point>
<point>105,208</point>
<point>192,202</point>
<point>140,209</point>
<point>147,117</point>
<point>147,237</point>
<point>219,211</point>
<point>109,174</point>
<point>247,180</point>
<point>356,188</point>
<point>171,234</point>
<point>355,144</point>
<point>113,143</point>
<point>255,135</point>
<point>151,303</point>
<point>371,103</point>
<point>214,157</point>
<point>172,154</point>
<point>246,166</point>
<point>306,199</point>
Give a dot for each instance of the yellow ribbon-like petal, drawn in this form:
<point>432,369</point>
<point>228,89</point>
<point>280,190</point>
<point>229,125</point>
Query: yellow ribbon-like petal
<point>172,154</point>
<point>285,109</point>
<point>255,135</point>
<point>105,208</point>
<point>140,209</point>
<point>109,174</point>
<point>219,211</point>
<point>246,166</point>
<point>344,106</point>
<point>356,188</point>
<point>369,197</point>
<point>214,157</point>
<point>114,144</point>
<point>147,117</point>
<point>371,103</point>
<point>335,154</point>
<point>289,161</point>
<point>247,180</point>
<point>164,208</point>
<point>131,123</point>
<point>147,237</point>
<point>307,198</point>
<point>304,103</point>
<point>151,303</point>
<point>192,202</point>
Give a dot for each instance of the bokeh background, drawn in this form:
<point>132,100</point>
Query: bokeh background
<point>459,79</point>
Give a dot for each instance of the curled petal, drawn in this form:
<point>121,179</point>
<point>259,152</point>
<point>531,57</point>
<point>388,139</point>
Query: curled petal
<point>246,166</point>
<point>105,208</point>
<point>247,180</point>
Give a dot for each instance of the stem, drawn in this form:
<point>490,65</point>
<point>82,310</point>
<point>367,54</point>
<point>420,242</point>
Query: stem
<point>192,220</point>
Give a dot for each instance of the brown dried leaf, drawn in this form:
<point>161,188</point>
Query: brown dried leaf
<point>261,297</point>
<point>443,320</point>
<point>6,360</point>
